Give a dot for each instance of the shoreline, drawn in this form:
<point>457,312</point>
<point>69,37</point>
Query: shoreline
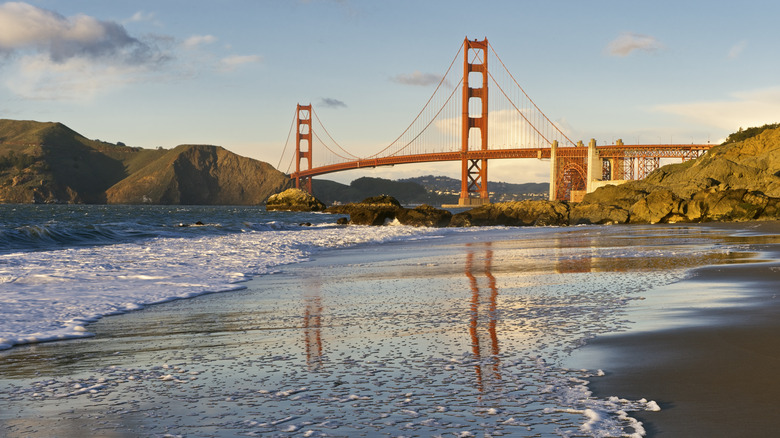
<point>712,372</point>
<point>350,327</point>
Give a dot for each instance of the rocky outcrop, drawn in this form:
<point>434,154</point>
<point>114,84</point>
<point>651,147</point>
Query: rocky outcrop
<point>293,200</point>
<point>424,216</point>
<point>381,210</point>
<point>519,213</point>
<point>731,182</point>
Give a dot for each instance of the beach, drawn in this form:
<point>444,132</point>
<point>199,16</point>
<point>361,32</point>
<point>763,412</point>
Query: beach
<point>513,332</point>
<point>712,364</point>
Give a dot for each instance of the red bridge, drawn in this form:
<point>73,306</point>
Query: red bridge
<point>453,126</point>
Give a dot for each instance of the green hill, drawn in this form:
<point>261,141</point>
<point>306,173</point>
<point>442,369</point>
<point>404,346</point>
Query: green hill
<point>200,174</point>
<point>47,162</point>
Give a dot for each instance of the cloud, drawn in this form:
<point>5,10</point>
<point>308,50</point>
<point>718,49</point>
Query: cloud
<point>141,16</point>
<point>26,28</point>
<point>49,56</point>
<point>628,42</point>
<point>231,63</point>
<point>196,41</point>
<point>737,49</point>
<point>417,78</point>
<point>329,102</point>
<point>744,108</point>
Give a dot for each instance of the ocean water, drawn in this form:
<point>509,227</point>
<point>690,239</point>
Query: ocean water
<point>450,332</point>
<point>62,267</point>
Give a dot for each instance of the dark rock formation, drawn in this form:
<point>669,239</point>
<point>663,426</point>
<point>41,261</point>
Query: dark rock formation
<point>424,216</point>
<point>520,213</point>
<point>380,210</point>
<point>293,200</point>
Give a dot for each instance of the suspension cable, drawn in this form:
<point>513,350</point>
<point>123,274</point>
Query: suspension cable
<point>518,110</point>
<point>331,150</point>
<point>527,96</point>
<point>289,133</point>
<point>331,138</point>
<point>424,107</point>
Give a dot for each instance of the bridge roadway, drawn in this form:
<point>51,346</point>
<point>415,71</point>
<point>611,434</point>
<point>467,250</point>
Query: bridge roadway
<point>607,151</point>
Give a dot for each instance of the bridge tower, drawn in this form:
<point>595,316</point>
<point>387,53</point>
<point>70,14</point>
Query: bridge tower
<point>303,146</point>
<point>474,171</point>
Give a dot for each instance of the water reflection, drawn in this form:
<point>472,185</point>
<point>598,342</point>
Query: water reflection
<point>312,326</point>
<point>482,324</point>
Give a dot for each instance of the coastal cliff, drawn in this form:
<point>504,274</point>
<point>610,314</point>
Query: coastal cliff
<point>47,162</point>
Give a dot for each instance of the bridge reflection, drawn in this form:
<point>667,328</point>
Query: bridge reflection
<point>312,327</point>
<point>483,319</point>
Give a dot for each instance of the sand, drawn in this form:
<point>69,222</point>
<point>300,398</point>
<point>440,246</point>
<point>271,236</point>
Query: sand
<point>712,366</point>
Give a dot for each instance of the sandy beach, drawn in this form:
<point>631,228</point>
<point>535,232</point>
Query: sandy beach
<point>712,364</point>
<point>475,335</point>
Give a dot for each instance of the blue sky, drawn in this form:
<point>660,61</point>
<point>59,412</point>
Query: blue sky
<point>230,72</point>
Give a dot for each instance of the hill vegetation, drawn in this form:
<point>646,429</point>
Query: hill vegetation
<point>432,190</point>
<point>47,162</point>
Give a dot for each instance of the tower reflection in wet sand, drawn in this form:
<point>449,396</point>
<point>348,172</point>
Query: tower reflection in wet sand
<point>482,324</point>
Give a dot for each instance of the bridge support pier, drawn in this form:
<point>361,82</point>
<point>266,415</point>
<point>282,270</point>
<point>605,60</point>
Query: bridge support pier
<point>474,172</point>
<point>303,146</point>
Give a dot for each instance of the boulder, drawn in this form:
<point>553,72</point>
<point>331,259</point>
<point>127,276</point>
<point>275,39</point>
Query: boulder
<point>293,200</point>
<point>517,213</point>
<point>424,216</point>
<point>659,206</point>
<point>597,214</point>
<point>376,210</point>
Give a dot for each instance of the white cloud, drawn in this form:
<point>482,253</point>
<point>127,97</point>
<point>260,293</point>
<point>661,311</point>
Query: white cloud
<point>233,62</point>
<point>49,56</point>
<point>745,109</point>
<point>417,78</point>
<point>141,16</point>
<point>737,49</point>
<point>629,42</point>
<point>196,41</point>
<point>26,28</point>
<point>37,77</point>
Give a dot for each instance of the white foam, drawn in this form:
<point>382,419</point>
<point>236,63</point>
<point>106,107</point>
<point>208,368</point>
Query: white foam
<point>53,295</point>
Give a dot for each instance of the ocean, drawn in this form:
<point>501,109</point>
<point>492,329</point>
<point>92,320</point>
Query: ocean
<point>405,331</point>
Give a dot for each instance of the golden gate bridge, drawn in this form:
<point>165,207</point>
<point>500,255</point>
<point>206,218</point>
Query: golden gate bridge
<point>460,123</point>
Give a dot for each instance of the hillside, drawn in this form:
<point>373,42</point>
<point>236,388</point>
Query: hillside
<point>433,190</point>
<point>47,162</point>
<point>200,174</point>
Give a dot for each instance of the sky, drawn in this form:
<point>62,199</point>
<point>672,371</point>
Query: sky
<point>160,73</point>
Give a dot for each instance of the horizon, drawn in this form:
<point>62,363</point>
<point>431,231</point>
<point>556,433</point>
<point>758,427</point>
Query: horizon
<point>159,74</point>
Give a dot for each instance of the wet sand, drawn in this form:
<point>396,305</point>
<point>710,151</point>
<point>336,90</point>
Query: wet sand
<point>458,338</point>
<point>714,369</point>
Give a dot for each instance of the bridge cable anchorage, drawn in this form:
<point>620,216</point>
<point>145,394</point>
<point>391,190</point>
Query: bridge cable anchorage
<point>289,134</point>
<point>322,125</point>
<point>527,96</point>
<point>457,55</point>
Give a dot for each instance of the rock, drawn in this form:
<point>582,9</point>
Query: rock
<point>293,200</point>
<point>376,210</point>
<point>597,214</point>
<point>517,213</point>
<point>658,206</point>
<point>424,216</point>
